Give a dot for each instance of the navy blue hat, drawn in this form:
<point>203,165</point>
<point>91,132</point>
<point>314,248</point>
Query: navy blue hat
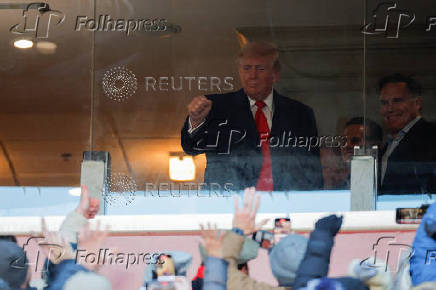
<point>13,264</point>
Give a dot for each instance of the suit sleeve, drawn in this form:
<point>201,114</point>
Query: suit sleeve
<point>194,143</point>
<point>316,260</point>
<point>191,141</point>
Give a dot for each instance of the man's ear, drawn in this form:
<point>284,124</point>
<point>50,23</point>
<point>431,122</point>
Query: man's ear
<point>418,103</point>
<point>276,76</point>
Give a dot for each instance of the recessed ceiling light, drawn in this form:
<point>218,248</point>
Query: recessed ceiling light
<point>23,43</point>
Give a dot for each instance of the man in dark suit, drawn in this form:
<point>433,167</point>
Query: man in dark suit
<point>250,136</point>
<point>408,160</point>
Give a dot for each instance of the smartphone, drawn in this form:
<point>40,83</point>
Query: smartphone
<point>264,239</point>
<point>282,227</point>
<point>169,283</point>
<point>410,215</point>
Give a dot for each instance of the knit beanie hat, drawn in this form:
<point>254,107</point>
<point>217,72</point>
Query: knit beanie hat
<point>285,257</point>
<point>87,281</point>
<point>13,264</point>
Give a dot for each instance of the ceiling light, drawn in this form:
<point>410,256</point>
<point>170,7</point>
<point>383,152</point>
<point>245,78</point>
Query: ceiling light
<point>182,168</point>
<point>23,43</point>
<point>75,191</point>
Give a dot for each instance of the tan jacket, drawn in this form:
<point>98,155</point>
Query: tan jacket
<point>237,280</point>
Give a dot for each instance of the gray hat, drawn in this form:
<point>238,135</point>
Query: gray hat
<point>285,257</point>
<point>248,252</point>
<point>87,280</point>
<point>13,264</point>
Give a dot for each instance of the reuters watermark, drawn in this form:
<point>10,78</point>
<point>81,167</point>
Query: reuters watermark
<point>188,83</point>
<point>120,83</point>
<point>188,189</point>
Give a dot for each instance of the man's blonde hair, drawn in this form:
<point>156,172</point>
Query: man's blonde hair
<point>261,49</point>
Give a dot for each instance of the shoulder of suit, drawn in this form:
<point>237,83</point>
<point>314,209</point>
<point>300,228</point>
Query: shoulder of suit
<point>424,130</point>
<point>428,124</point>
<point>425,126</point>
<point>291,103</point>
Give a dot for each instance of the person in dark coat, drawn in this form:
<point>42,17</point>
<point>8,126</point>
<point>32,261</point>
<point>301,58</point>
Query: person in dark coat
<point>255,136</point>
<point>314,267</point>
<point>408,160</point>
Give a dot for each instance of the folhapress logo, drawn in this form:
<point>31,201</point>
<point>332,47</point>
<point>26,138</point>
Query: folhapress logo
<point>384,250</point>
<point>106,23</point>
<point>388,19</point>
<point>37,20</point>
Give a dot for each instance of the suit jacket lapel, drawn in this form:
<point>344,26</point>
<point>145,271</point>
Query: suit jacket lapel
<point>276,116</point>
<point>246,116</point>
<point>403,149</point>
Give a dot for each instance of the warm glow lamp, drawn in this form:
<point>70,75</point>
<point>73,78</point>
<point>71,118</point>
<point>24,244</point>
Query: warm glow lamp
<point>182,167</point>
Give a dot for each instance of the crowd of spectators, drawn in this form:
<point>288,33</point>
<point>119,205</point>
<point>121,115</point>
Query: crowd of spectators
<point>296,261</point>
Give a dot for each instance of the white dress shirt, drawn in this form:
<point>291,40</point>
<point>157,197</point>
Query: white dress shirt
<point>268,110</point>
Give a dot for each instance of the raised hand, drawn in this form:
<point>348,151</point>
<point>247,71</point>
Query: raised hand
<point>88,206</point>
<point>54,245</point>
<point>245,217</point>
<point>331,223</point>
<point>91,241</point>
<point>212,240</point>
<point>198,109</point>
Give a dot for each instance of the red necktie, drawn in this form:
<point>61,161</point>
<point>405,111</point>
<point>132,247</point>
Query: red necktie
<point>265,181</point>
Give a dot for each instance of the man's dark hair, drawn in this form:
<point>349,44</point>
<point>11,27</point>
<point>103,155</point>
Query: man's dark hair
<point>413,86</point>
<point>8,238</point>
<point>375,131</point>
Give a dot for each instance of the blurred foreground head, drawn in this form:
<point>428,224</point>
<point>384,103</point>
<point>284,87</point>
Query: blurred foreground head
<point>13,264</point>
<point>285,257</point>
<point>87,281</point>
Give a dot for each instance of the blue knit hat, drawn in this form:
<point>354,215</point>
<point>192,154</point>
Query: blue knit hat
<point>13,264</point>
<point>285,257</point>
